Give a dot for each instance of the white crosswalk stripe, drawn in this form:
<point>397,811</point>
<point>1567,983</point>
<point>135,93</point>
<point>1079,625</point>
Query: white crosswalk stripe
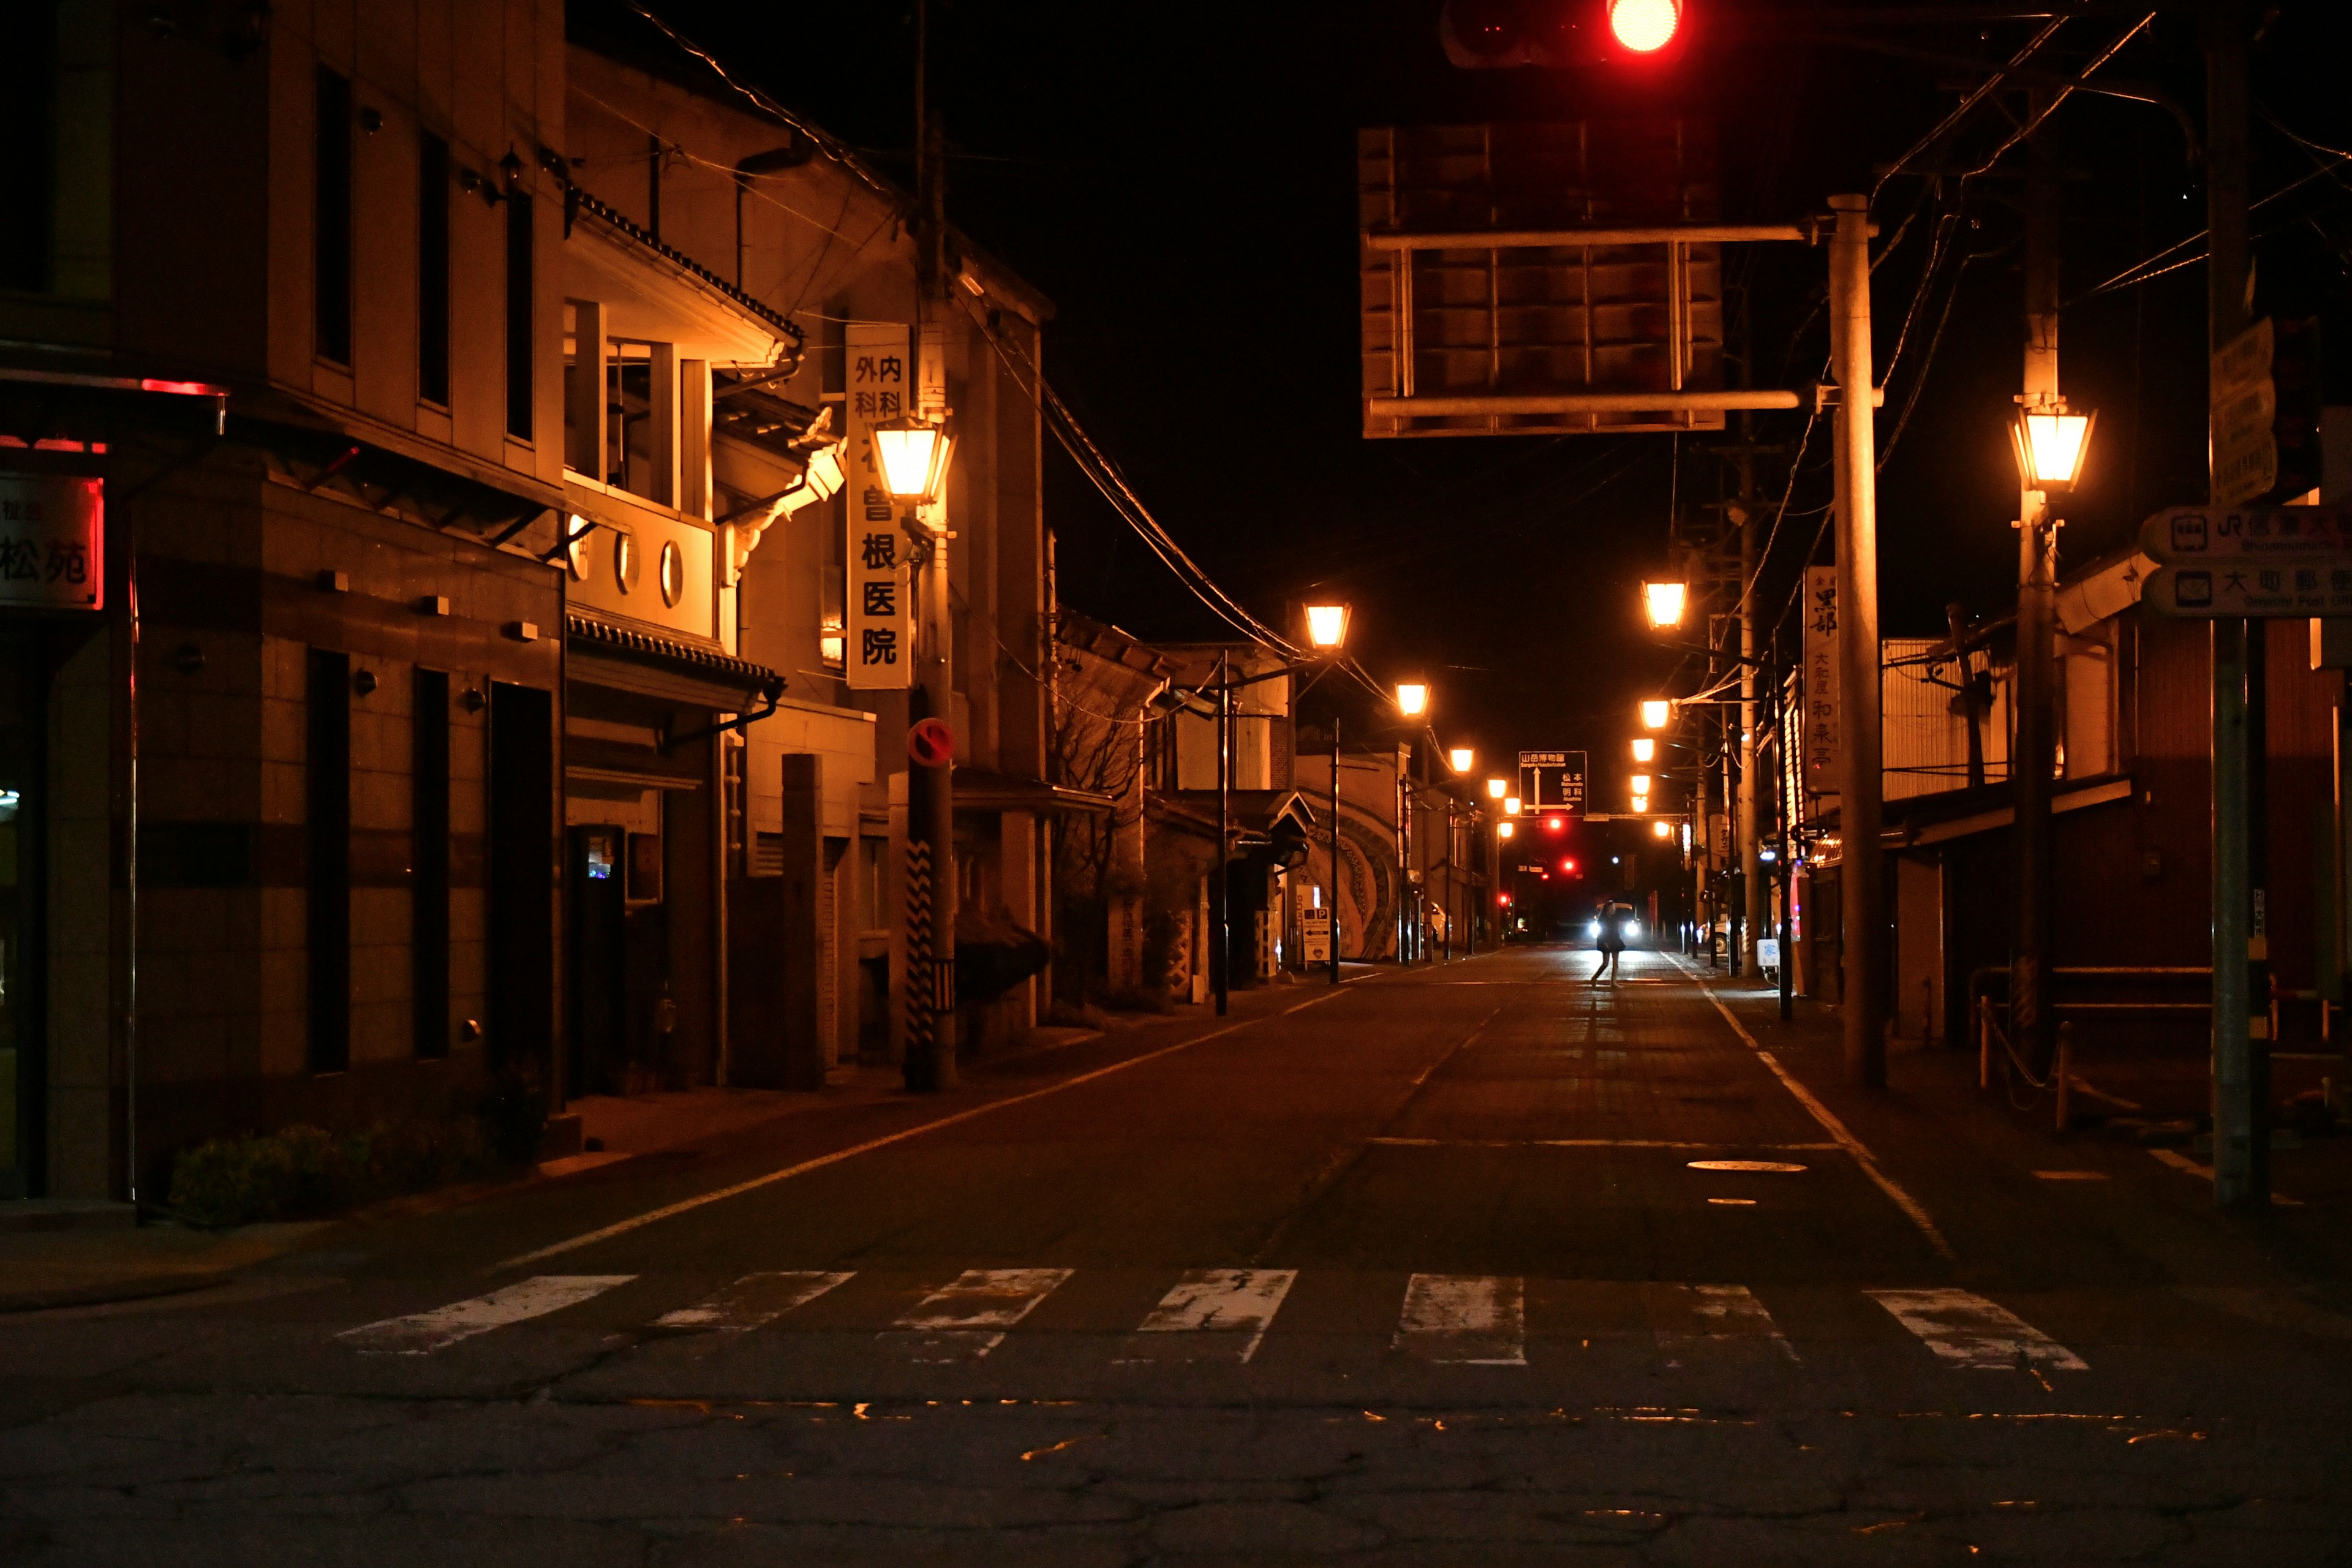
<point>1475,1319</point>
<point>753,1301</point>
<point>1732,1312</point>
<point>1212,1315</point>
<point>965,1321</point>
<point>1965,1330</point>
<point>421,1333</point>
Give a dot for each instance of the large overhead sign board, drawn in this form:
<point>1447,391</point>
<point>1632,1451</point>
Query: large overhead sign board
<point>1551,781</point>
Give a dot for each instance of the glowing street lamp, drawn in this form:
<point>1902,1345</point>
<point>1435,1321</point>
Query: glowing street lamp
<point>1641,784</point>
<point>1497,789</point>
<point>1505,829</point>
<point>2051,442</point>
<point>1663,603</point>
<point>914,454</point>
<point>1644,27</point>
<point>1412,699</point>
<point>1645,750</point>
<point>1641,805</point>
<point>1662,829</point>
<point>1327,627</point>
<point>1656,712</point>
<point>1461,757</point>
<point>1510,806</point>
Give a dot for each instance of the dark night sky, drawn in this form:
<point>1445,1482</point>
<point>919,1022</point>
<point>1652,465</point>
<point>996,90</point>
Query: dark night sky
<point>1180,179</point>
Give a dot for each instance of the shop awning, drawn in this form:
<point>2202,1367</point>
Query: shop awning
<point>606,653</point>
<point>976,789</point>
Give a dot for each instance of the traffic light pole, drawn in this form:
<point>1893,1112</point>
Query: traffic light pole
<point>1863,894</point>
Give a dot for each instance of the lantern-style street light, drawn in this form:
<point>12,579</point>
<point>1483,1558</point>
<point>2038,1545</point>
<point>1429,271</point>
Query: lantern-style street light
<point>1510,806</point>
<point>1413,697</point>
<point>1641,784</point>
<point>1497,789</point>
<point>1656,712</point>
<point>1666,831</point>
<point>2050,441</point>
<point>1641,804</point>
<point>1327,627</point>
<point>1645,750</point>
<point>914,454</point>
<point>1505,829</point>
<point>1663,603</point>
<point>1460,758</point>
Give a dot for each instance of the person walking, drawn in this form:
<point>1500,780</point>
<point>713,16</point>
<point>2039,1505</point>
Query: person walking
<point>1611,941</point>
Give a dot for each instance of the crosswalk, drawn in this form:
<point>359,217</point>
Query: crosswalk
<point>1224,1315</point>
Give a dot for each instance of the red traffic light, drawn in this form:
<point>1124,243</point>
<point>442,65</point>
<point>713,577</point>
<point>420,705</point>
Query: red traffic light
<point>1568,866</point>
<point>1557,823</point>
<point>1644,27</point>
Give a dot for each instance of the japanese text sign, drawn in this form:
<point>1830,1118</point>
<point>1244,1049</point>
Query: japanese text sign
<point>1819,684</point>
<point>1551,781</point>
<point>52,542</point>
<point>879,647</point>
<point>2191,534</point>
<point>2258,588</point>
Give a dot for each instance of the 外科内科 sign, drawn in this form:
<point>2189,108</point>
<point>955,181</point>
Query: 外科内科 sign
<point>52,542</point>
<point>2259,589</point>
<point>1551,781</point>
<point>878,641</point>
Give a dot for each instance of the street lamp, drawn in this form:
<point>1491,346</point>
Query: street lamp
<point>914,454</point>
<point>1505,829</point>
<point>2050,441</point>
<point>1645,750</point>
<point>1641,805</point>
<point>1662,829</point>
<point>1656,712</point>
<point>1461,757</point>
<point>1641,784</point>
<point>1497,789</point>
<point>1327,627</point>
<point>1663,603</point>
<point>1510,806</point>
<point>1413,697</point>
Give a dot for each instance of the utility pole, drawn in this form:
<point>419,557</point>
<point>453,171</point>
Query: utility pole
<point>1862,895</point>
<point>1221,957</point>
<point>2240,1058</point>
<point>1752,895</point>
<point>931,1062</point>
<point>1335,849</point>
<point>2034,759</point>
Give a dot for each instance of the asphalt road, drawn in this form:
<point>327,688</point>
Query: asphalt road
<point>1476,1263</point>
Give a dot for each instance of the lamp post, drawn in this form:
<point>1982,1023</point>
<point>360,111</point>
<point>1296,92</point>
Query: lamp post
<point>1663,603</point>
<point>1411,702</point>
<point>1327,633</point>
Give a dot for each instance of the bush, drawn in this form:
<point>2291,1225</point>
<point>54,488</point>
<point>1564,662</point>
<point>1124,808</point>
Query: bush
<point>303,1172</point>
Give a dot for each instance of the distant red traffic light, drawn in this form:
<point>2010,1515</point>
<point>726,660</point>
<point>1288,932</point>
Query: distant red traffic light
<point>1644,27</point>
<point>1568,867</point>
<point>1557,823</point>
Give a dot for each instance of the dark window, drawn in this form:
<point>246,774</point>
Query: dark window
<point>331,215</point>
<point>433,270</point>
<point>28,33</point>
<point>329,841</point>
<point>428,923</point>
<point>519,303</point>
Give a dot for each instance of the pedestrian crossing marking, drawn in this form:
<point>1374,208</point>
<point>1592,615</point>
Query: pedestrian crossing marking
<point>1733,1312</point>
<point>1222,1313</point>
<point>1470,1320</point>
<point>753,1301</point>
<point>966,1320</point>
<point>421,1333</point>
<point>1965,1330</point>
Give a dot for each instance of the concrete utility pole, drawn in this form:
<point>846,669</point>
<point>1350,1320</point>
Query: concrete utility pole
<point>2034,761</point>
<point>931,1062</point>
<point>1752,895</point>
<point>1862,893</point>
<point>2241,1058</point>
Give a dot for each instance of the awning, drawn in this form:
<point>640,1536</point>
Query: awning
<point>977,789</point>
<point>664,666</point>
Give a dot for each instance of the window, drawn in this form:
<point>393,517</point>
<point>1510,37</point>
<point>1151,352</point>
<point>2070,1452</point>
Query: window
<point>519,313</point>
<point>633,439</point>
<point>428,910</point>
<point>28,126</point>
<point>328,884</point>
<point>433,270</point>
<point>330,215</point>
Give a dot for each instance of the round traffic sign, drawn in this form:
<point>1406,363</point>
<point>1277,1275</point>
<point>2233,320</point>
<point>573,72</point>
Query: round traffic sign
<point>930,742</point>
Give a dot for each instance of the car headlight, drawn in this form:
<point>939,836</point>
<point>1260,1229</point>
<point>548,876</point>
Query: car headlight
<point>1633,927</point>
<point>1596,928</point>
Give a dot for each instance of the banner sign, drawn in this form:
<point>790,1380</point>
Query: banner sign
<point>878,643</point>
<point>1822,725</point>
<point>1551,781</point>
<point>52,542</point>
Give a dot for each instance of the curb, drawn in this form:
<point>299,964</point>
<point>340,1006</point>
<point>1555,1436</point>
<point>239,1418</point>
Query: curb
<point>140,1288</point>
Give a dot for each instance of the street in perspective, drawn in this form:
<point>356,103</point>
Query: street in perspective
<point>1388,784</point>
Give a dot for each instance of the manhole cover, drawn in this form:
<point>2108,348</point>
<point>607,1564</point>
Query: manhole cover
<point>1743,1165</point>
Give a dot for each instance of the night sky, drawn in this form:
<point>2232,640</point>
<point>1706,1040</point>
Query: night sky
<point>1179,180</point>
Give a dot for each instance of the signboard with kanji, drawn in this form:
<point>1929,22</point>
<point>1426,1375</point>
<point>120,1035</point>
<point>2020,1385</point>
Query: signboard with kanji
<point>1820,683</point>
<point>52,542</point>
<point>2262,589</point>
<point>1551,781</point>
<point>2193,534</point>
<point>878,643</point>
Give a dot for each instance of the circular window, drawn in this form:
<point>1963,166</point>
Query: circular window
<point>575,554</point>
<point>625,566</point>
<point>673,572</point>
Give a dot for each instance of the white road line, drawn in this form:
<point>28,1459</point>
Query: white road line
<point>1223,1312</point>
<point>1966,1330</point>
<point>1475,1319</point>
<point>1853,1145</point>
<point>667,1211</point>
<point>965,1321</point>
<point>1733,1312</point>
<point>1586,1143</point>
<point>753,1301</point>
<point>421,1333</point>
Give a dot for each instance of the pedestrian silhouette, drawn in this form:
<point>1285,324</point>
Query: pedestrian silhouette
<point>1611,941</point>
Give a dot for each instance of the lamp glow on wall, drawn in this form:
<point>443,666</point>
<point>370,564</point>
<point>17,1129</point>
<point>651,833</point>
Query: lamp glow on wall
<point>1663,603</point>
<point>1461,757</point>
<point>1497,789</point>
<point>2052,441</point>
<point>1413,697</point>
<point>1645,750</point>
<point>1656,712</point>
<point>1327,627</point>
<point>914,455</point>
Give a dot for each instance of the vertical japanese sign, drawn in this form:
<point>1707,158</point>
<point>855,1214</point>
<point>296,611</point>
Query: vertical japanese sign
<point>52,541</point>
<point>879,651</point>
<point>1820,679</point>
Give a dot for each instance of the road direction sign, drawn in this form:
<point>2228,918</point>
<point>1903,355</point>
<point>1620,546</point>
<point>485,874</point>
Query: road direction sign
<point>1315,928</point>
<point>1551,781</point>
<point>2190,535</point>
<point>2261,589</point>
